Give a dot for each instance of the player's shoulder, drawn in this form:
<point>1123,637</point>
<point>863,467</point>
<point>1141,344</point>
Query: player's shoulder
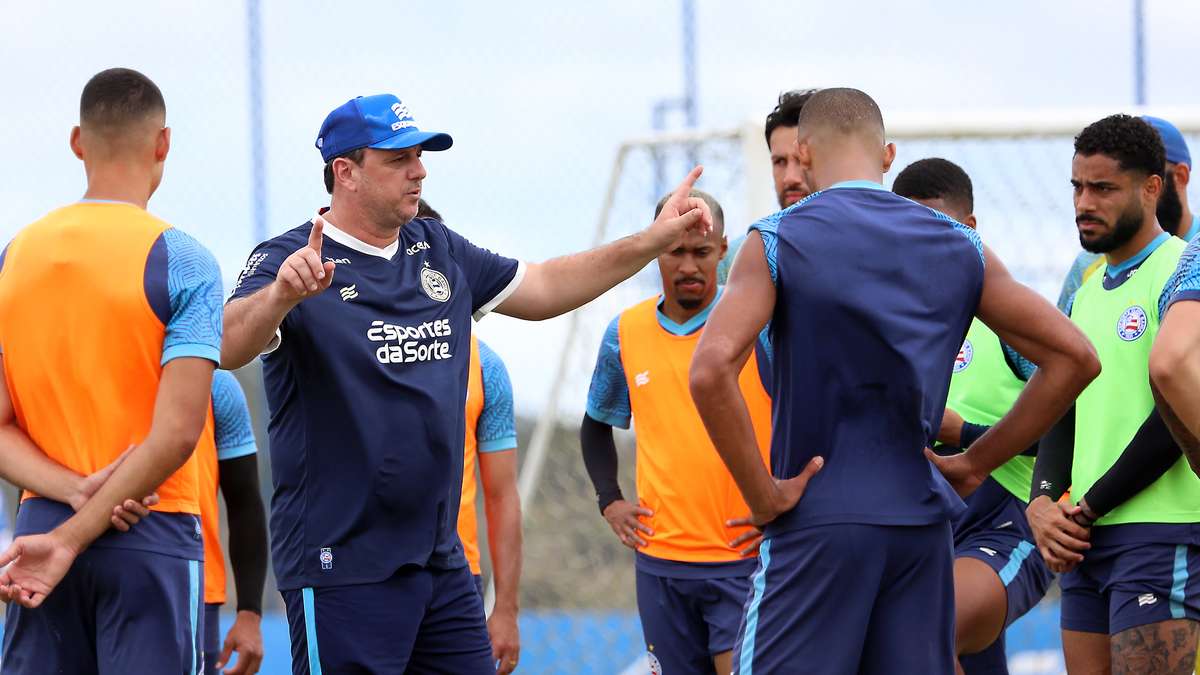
<point>968,233</point>
<point>428,229</point>
<point>646,306</point>
<point>769,225</point>
<point>1085,263</point>
<point>187,260</point>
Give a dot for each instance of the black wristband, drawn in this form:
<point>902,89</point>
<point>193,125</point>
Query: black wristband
<point>608,498</point>
<point>971,433</point>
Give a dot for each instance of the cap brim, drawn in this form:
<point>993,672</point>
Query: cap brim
<point>428,140</point>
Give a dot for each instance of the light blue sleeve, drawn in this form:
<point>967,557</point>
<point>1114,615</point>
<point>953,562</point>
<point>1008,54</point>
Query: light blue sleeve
<point>1024,367</point>
<point>1184,283</point>
<point>966,231</point>
<point>194,289</point>
<point>1074,280</point>
<point>497,427</point>
<point>764,343</point>
<point>608,395</point>
<point>232,430</point>
<point>768,229</point>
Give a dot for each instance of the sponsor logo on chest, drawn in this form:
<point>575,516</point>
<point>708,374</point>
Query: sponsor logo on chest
<point>413,343</point>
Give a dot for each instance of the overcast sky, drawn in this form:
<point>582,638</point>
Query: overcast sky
<point>537,95</point>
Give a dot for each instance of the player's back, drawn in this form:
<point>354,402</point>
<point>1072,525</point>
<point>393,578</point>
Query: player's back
<point>84,305</point>
<point>865,335</point>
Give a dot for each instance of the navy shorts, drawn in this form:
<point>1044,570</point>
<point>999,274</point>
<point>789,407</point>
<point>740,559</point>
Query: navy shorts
<point>849,598</point>
<point>686,622</point>
<point>212,637</point>
<point>479,584</point>
<point>421,620</point>
<point>140,612</point>
<point>994,530</point>
<point>1133,575</point>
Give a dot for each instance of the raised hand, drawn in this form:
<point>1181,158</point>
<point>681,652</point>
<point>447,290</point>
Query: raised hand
<point>38,563</point>
<point>681,213</point>
<point>303,274</point>
<point>622,517</point>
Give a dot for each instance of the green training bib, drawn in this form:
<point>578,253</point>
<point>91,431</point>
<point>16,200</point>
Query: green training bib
<point>982,389</point>
<point>1122,323</point>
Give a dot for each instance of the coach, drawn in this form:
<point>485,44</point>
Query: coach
<point>366,386</point>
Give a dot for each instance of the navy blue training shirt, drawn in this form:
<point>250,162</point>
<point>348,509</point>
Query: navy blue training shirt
<point>367,389</point>
<point>875,295</point>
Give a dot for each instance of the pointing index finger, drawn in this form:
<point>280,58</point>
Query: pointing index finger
<point>685,187</point>
<point>315,236</point>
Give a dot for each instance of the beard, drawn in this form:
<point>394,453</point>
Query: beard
<point>1170,208</point>
<point>689,303</point>
<point>1127,225</point>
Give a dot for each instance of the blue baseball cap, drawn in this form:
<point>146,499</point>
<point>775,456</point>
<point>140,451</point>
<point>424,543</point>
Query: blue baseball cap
<point>380,122</point>
<point>1177,149</point>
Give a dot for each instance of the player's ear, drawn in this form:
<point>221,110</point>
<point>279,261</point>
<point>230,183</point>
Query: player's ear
<point>724,247</point>
<point>969,221</point>
<point>804,152</point>
<point>162,144</point>
<point>76,146</point>
<point>1152,188</point>
<point>889,156</point>
<point>1183,174</point>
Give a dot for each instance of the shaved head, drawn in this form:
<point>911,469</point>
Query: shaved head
<point>122,136</point>
<point>120,104</point>
<point>842,112</point>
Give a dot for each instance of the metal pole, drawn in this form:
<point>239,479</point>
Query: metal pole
<point>689,72</point>
<point>1139,52</point>
<point>258,150</point>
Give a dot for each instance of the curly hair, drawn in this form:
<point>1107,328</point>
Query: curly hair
<point>936,178</point>
<point>787,110</point>
<point>1130,140</point>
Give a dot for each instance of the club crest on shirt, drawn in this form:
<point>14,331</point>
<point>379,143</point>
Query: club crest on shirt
<point>965,354</point>
<point>655,666</point>
<point>326,558</point>
<point>435,284</point>
<point>1132,324</point>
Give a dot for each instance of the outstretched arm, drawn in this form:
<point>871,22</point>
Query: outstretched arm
<point>1066,364</point>
<point>562,284</point>
<point>729,335</point>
